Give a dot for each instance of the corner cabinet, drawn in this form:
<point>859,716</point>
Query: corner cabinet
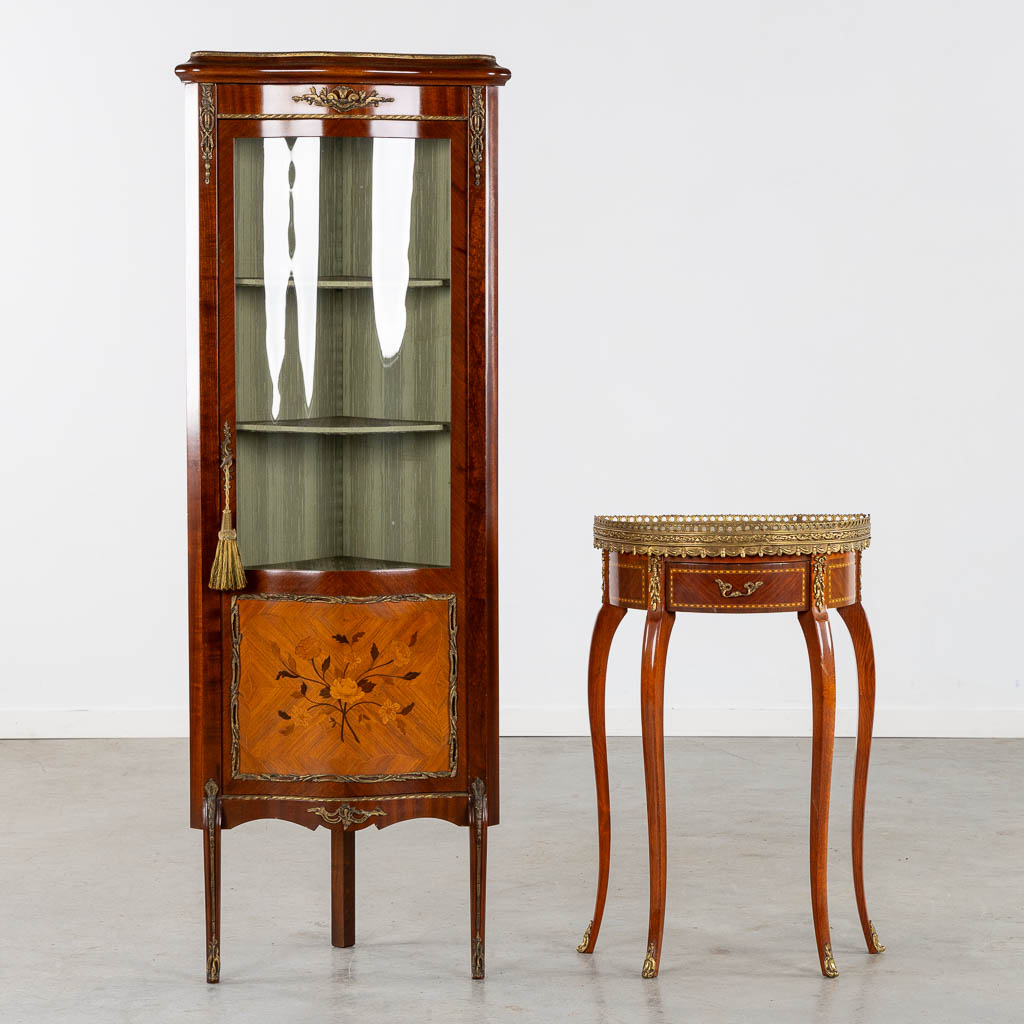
<point>342,447</point>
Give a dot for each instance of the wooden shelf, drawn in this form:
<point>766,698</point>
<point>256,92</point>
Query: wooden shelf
<point>346,282</point>
<point>343,425</point>
<point>341,563</point>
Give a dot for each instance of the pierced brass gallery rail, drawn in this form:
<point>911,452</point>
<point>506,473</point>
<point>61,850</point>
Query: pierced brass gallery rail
<point>342,98</point>
<point>748,588</point>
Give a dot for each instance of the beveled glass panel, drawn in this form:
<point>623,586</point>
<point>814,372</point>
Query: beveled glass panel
<point>343,352</point>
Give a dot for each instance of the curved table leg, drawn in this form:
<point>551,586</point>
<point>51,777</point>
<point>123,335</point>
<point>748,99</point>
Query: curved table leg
<point>652,710</point>
<point>818,636</point>
<point>860,632</point>
<point>608,619</point>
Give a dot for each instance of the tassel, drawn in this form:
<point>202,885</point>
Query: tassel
<point>227,572</point>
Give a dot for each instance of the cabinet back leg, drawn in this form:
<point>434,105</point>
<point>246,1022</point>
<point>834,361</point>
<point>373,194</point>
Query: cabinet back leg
<point>477,873</point>
<point>211,861</point>
<point>343,888</point>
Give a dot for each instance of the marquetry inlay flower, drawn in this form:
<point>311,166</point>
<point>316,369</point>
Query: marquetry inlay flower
<point>308,647</point>
<point>338,687</point>
<point>400,654</point>
<point>345,689</point>
<point>389,710</point>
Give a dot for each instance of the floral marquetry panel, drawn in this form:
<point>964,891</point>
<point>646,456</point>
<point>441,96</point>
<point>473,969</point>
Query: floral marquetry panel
<point>346,689</point>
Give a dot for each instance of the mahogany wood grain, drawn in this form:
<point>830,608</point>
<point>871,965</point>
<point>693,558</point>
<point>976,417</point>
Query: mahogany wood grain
<point>436,91</point>
<point>631,581</point>
<point>432,69</point>
<point>657,630</point>
<point>608,619</point>
<point>818,636</point>
<point>343,888</point>
<point>313,812</point>
<point>860,632</point>
<point>344,689</point>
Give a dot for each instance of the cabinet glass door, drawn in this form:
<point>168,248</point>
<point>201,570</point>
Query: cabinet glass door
<point>343,352</point>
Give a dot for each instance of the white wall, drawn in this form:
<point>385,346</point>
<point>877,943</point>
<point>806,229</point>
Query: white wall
<point>755,257</point>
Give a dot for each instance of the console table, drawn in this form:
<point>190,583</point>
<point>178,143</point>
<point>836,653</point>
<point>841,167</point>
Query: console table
<point>733,564</point>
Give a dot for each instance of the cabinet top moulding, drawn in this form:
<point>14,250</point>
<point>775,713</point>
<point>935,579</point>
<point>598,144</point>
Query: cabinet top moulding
<point>378,68</point>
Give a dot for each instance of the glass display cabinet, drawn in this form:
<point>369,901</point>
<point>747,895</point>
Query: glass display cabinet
<point>342,417</point>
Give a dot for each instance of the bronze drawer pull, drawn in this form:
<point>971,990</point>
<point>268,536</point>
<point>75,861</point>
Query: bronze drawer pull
<point>748,588</point>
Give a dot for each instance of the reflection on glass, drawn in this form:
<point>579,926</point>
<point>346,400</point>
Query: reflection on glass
<point>291,240</point>
<point>393,161</point>
<point>343,352</point>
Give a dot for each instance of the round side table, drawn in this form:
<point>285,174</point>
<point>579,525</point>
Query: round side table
<point>733,565</point>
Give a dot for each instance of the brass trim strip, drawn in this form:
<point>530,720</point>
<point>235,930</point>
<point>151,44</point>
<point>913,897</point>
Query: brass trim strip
<point>207,119</point>
<point>477,128</point>
<point>479,808</point>
<point>345,816</point>
<point>453,694</point>
<point>818,587</point>
<point>460,795</point>
<point>653,581</point>
<point>342,117</point>
<point>342,98</point>
<point>343,53</point>
<point>210,813</point>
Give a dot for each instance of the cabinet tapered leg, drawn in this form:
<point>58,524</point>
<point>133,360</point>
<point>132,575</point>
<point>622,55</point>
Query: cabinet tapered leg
<point>211,859</point>
<point>818,636</point>
<point>860,632</point>
<point>478,873</point>
<point>343,888</point>
<point>652,709</point>
<point>608,619</point>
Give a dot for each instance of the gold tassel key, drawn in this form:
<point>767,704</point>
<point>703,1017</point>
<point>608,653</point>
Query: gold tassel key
<point>227,572</point>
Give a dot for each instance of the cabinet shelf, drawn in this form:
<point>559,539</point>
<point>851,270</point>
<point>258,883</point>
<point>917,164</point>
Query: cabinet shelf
<point>344,425</point>
<point>344,281</point>
<point>340,563</point>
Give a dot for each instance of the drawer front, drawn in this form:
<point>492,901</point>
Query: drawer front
<point>724,586</point>
<point>627,580</point>
<point>841,580</point>
<point>343,689</point>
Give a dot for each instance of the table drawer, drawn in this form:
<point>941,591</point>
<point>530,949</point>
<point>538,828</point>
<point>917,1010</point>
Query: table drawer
<point>724,586</point>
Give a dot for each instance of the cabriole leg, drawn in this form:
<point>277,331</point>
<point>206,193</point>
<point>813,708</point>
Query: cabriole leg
<point>652,709</point>
<point>478,873</point>
<point>818,636</point>
<point>211,860</point>
<point>860,632</point>
<point>608,619</point>
<point>343,888</point>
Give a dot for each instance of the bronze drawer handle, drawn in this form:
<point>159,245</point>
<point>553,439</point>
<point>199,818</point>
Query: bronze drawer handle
<point>748,588</point>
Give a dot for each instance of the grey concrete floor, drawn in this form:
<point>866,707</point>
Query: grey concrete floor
<point>102,891</point>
